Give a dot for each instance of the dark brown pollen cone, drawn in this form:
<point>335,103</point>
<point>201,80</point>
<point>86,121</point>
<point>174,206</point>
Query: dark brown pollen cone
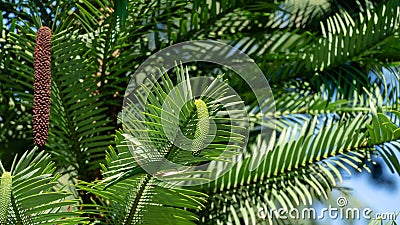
<point>41,86</point>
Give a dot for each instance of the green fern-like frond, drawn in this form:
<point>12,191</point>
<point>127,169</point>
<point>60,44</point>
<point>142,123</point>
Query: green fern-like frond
<point>156,131</point>
<point>148,130</point>
<point>77,117</point>
<point>341,40</point>
<point>298,101</point>
<point>385,135</point>
<point>140,199</point>
<point>30,194</point>
<point>300,167</point>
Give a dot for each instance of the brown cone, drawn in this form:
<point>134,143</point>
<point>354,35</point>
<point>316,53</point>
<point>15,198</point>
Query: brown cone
<point>41,86</point>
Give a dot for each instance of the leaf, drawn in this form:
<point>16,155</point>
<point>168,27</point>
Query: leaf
<point>121,11</point>
<point>30,195</point>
